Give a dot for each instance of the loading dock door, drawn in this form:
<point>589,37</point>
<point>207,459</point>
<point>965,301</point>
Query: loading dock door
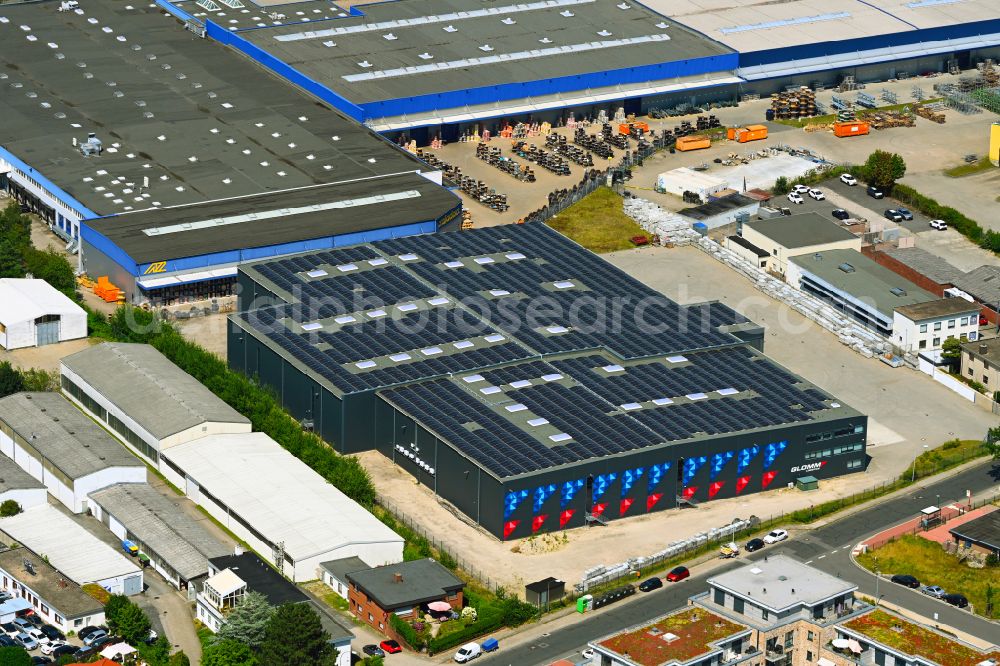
<point>47,330</point>
<point>133,585</point>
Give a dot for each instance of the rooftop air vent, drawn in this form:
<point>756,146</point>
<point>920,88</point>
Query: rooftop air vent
<point>897,291</point>
<point>846,267</point>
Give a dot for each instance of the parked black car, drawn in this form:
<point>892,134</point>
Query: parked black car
<point>52,633</point>
<point>7,641</point>
<point>650,584</point>
<point>841,214</point>
<point>956,600</point>
<point>63,650</point>
<point>875,192</point>
<point>83,653</point>
<point>905,579</point>
<point>102,641</point>
<point>754,544</point>
<point>38,660</point>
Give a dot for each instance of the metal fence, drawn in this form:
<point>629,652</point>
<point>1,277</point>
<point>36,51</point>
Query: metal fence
<point>921,526</point>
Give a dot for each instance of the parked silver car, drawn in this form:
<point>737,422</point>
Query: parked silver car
<point>933,591</point>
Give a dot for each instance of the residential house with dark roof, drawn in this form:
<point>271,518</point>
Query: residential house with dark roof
<point>981,534</point>
<point>403,589</point>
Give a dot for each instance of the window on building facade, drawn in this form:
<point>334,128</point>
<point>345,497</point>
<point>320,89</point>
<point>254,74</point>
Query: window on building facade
<point>853,464</point>
<point>965,321</point>
<point>951,323</point>
<point>936,341</point>
<point>809,655</point>
<point>986,379</point>
<point>937,326</point>
<point>923,344</point>
<point>923,328</point>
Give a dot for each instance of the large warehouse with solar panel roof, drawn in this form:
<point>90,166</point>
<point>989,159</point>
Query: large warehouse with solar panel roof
<point>489,364</point>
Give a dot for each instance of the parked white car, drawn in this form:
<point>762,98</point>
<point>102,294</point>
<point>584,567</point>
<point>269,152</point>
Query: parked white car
<point>48,648</point>
<point>35,633</point>
<point>775,536</point>
<point>940,225</point>
<point>800,188</point>
<point>817,194</point>
<point>468,652</point>
<point>848,179</point>
<point>795,198</point>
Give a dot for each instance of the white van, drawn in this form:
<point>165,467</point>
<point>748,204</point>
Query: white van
<point>468,652</point>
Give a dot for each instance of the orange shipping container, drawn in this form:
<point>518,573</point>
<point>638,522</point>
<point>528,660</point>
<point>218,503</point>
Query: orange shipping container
<point>853,128</point>
<point>731,132</point>
<point>685,143</point>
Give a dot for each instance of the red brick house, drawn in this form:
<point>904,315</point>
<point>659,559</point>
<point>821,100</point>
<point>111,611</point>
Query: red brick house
<point>402,589</point>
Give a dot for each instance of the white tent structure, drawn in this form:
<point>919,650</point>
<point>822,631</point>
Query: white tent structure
<point>34,313</point>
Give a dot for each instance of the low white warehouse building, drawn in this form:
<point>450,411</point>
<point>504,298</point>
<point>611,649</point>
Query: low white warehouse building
<point>681,180</point>
<point>34,313</point>
<point>70,548</point>
<point>144,398</point>
<point>287,513</point>
<point>56,443</point>
<point>18,485</point>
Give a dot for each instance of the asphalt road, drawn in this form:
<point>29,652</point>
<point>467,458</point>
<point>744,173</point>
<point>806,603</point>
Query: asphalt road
<point>827,548</point>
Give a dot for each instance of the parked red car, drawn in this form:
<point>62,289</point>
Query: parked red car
<point>390,647</point>
<point>678,573</point>
<point>982,320</point>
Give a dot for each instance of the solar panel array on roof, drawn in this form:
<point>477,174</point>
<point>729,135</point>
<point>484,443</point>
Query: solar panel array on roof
<point>597,408</point>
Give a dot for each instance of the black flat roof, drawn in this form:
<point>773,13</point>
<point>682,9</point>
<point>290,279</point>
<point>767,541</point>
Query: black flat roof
<point>260,577</point>
<point>355,324</point>
<point>277,217</point>
<point>196,119</point>
<point>447,38</point>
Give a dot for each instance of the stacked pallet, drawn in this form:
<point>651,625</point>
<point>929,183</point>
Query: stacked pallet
<point>800,103</point>
<point>889,119</point>
<point>932,114</point>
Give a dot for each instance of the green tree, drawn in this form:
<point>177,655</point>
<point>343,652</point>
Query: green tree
<point>9,508</point>
<point>52,267</point>
<point>374,661</point>
<point>133,624</point>
<point>11,381</point>
<point>295,637</point>
<point>951,349</point>
<point>781,186</point>
<point>228,653</point>
<point>36,379</point>
<point>14,656</point>
<point>248,621</point>
<point>883,169</point>
<point>15,241</point>
<point>156,654</point>
<point>113,608</point>
<point>992,442</point>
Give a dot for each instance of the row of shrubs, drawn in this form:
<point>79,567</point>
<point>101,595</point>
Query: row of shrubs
<point>969,228</point>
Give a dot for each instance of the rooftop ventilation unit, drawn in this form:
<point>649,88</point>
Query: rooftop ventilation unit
<point>847,268</point>
<point>896,291</point>
<point>92,146</point>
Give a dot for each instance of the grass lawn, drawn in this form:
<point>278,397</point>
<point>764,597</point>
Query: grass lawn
<point>329,597</point>
<point>949,454</point>
<point>911,554</point>
<point>598,222</point>
<point>983,164</point>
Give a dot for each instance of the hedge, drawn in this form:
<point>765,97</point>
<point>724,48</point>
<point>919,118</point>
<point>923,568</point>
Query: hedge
<point>406,632</point>
<point>489,619</point>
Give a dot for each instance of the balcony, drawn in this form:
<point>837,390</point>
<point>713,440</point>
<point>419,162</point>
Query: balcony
<point>777,657</point>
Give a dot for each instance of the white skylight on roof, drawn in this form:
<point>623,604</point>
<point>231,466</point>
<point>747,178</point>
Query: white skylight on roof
<point>676,359</point>
<point>534,423</point>
<point>389,37</point>
<point>450,28</point>
<point>629,406</point>
<point>453,264</point>
<point>554,377</point>
<point>499,292</point>
<point>489,390</point>
<point>561,437</point>
<point>563,284</point>
<point>660,402</point>
<point>508,21</point>
<point>312,326</point>
<point>317,273</point>
<point>727,391</point>
<point>425,56</point>
<point>438,300</point>
<point>521,383</point>
<point>696,396</point>
<point>662,25</point>
<point>494,337</point>
<point>406,307</point>
<point>604,33</point>
<point>345,319</point>
<point>408,257</point>
<point>614,367</point>
<point>377,261</point>
<point>402,356</point>
<point>365,364</point>
<point>514,256</point>
<point>430,351</point>
<point>555,330</point>
<point>567,13</point>
<point>516,408</point>
<point>486,47</point>
<point>472,379</point>
<point>462,344</point>
<point>347,268</point>
<point>375,314</point>
<point>484,260</point>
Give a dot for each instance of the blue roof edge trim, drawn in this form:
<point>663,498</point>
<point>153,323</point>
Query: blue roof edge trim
<point>49,186</point>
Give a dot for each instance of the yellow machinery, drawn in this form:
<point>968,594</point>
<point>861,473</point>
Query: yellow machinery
<point>995,144</point>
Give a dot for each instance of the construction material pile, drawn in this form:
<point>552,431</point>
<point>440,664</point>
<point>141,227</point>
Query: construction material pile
<point>799,103</point>
<point>888,119</point>
<point>933,112</point>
